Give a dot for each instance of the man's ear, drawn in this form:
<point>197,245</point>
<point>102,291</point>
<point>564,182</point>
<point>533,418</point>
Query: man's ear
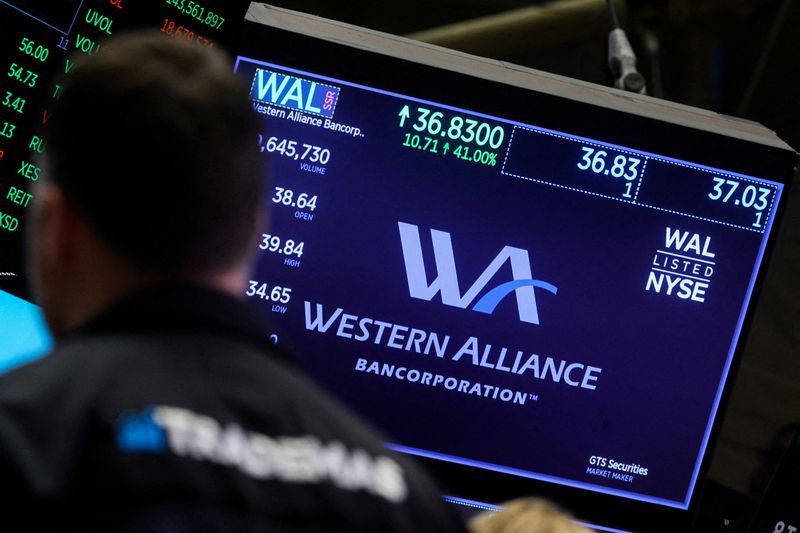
<point>56,229</point>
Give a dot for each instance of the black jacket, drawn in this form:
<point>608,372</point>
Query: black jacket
<point>171,413</point>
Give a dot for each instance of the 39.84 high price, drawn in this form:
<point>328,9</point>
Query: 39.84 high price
<point>274,243</point>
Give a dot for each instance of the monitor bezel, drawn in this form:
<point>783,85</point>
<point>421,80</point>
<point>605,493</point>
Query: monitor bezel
<point>344,57</point>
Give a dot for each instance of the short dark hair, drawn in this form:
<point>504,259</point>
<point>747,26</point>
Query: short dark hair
<point>153,142</point>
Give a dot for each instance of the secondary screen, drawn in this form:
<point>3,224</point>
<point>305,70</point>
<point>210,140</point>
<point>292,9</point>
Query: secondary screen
<point>500,295</point>
<point>36,37</point>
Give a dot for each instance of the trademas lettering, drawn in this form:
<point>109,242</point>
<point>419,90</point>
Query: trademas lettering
<point>414,340</point>
<point>291,459</point>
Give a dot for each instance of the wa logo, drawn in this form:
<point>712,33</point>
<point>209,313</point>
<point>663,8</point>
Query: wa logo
<point>446,281</point>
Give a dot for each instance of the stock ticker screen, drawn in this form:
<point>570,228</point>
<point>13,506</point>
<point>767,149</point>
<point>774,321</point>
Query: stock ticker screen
<point>501,295</point>
<point>36,38</point>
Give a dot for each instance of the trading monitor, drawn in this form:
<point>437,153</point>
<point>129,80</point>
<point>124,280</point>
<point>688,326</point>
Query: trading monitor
<point>532,284</point>
<point>36,40</point>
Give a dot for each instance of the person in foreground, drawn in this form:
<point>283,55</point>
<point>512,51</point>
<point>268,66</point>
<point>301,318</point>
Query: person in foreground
<point>525,515</point>
<point>163,407</point>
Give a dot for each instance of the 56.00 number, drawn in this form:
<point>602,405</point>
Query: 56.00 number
<point>32,49</point>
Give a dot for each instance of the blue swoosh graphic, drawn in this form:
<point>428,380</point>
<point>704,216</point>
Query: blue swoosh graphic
<point>493,297</point>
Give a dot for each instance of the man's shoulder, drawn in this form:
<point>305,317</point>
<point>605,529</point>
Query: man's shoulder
<point>123,369</point>
<point>178,409</point>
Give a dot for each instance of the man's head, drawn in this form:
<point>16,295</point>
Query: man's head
<point>152,164</point>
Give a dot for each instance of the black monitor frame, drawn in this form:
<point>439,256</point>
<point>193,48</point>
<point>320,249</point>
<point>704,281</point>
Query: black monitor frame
<point>341,53</point>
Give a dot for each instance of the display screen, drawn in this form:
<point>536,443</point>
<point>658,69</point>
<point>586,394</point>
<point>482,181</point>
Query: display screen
<point>35,39</point>
<point>497,294</point>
